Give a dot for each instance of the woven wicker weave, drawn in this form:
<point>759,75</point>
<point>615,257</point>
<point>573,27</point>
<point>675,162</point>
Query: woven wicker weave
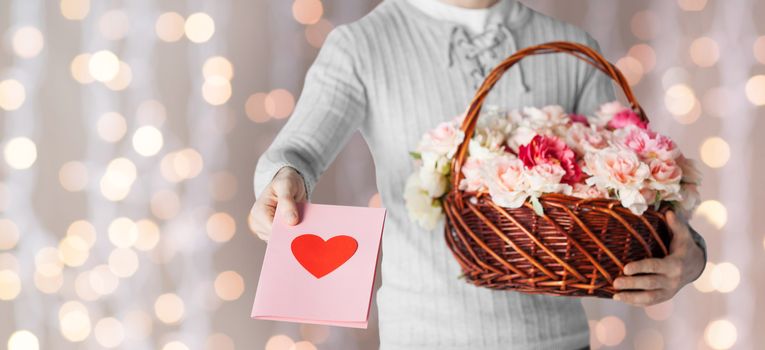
<point>577,248</point>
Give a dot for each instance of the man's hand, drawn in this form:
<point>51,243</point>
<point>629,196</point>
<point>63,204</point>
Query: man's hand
<point>286,189</point>
<point>653,281</point>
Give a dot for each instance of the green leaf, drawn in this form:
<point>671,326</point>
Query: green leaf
<point>537,206</point>
<point>415,155</point>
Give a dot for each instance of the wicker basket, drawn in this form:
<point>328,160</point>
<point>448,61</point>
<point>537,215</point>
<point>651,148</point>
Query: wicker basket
<point>577,248</point>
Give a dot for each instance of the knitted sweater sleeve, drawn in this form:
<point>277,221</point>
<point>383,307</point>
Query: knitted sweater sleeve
<point>330,108</point>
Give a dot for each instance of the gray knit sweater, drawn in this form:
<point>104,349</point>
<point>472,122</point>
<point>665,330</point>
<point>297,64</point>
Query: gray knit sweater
<point>393,75</point>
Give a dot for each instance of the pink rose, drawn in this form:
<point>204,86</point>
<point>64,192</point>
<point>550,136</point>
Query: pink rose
<point>473,180</point>
<point>607,111</point>
<point>508,172</point>
<point>665,171</point>
<point>443,140</point>
<point>504,177</point>
<point>584,191</point>
<point>546,178</point>
<point>583,139</point>
<point>627,117</point>
<point>551,150</point>
<point>578,118</point>
<point>615,168</point>
<point>646,143</point>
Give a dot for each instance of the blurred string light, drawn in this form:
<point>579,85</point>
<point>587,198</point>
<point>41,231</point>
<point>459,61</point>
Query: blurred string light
<point>649,339</point>
<point>307,11</point>
<point>645,54</point>
<point>316,33</point>
<point>103,65</point>
<point>713,212</point>
<point>679,99</point>
<point>109,332</point>
<point>692,5</point>
<point>720,334</point>
<point>315,333</point>
<point>715,152</point>
<point>303,345</point>
<point>645,24</point>
<point>147,140</point>
<point>704,52</point>
<point>221,227</point>
<point>661,311</point>
<point>759,49</point>
<point>10,285</point>
<point>74,321</point>
<point>278,104</point>
<point>169,308</point>
<point>23,340</point>
<point>9,234</point>
<point>181,165</point>
<point>279,342</point>
<point>75,9</point>
<point>165,204</point>
<point>169,27</point>
<point>175,345</point>
<point>114,24</point>
<point>219,341</point>
<point>199,27</point>
<point>610,331</point>
<point>229,285</point>
<point>12,94</point>
<point>118,179</point>
<point>79,68</point>
<point>218,72</point>
<point>111,127</point>
<point>755,90</point>
<point>73,176</point>
<point>27,42</point>
<point>725,277</point>
<point>631,68</point>
<point>20,153</point>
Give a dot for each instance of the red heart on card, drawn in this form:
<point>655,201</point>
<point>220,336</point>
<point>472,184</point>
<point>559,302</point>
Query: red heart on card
<point>321,257</point>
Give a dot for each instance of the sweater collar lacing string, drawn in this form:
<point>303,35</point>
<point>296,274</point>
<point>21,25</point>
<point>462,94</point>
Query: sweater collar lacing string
<point>482,50</point>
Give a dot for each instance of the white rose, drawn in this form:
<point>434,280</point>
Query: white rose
<point>442,140</point>
<point>632,199</point>
<point>422,208</point>
<point>505,181</point>
<point>545,178</point>
<point>433,175</point>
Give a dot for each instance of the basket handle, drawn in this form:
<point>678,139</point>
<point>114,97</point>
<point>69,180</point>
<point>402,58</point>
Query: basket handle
<point>577,50</point>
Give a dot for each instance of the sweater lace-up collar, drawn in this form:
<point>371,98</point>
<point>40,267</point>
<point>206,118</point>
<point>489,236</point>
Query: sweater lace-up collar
<point>480,50</point>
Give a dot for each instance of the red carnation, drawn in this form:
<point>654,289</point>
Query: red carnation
<point>550,149</point>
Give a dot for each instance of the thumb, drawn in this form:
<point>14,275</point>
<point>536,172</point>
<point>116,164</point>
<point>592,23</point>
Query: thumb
<point>285,202</point>
<point>679,229</point>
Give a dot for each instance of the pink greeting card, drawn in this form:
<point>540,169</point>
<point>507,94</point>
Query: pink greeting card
<point>321,270</point>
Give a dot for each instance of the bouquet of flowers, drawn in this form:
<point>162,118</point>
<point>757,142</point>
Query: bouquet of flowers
<point>517,156</point>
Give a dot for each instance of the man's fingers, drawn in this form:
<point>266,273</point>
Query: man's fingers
<point>642,298</point>
<point>679,229</point>
<point>287,208</point>
<point>652,265</point>
<point>261,218</point>
<point>645,282</point>
<point>286,191</point>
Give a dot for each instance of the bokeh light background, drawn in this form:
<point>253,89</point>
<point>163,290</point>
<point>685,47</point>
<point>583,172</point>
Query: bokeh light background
<point>130,130</point>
